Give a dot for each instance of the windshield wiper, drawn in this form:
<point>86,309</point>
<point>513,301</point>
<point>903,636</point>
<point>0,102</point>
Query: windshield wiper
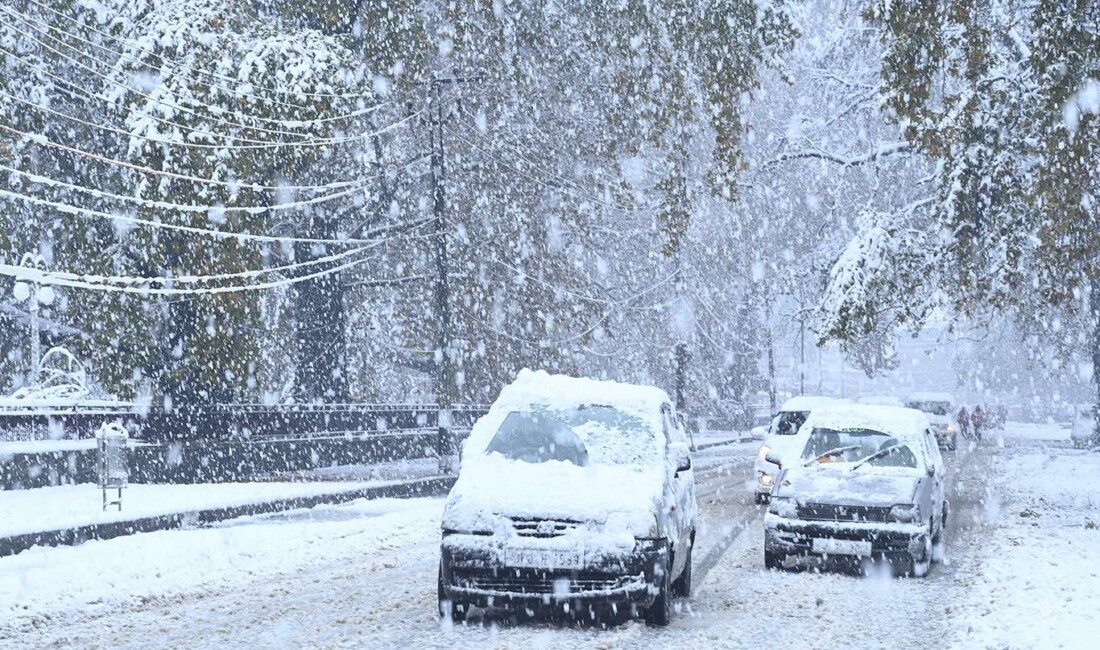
<point>878,454</point>
<point>832,452</point>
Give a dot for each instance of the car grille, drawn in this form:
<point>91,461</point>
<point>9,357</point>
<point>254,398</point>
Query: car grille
<point>528,581</point>
<point>543,527</point>
<point>833,512</point>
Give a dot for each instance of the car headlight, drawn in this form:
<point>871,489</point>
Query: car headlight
<point>764,451</point>
<point>766,479</point>
<point>951,428</point>
<point>905,514</point>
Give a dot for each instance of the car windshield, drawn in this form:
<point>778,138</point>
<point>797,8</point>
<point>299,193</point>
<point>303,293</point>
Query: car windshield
<point>930,407</point>
<point>855,445</point>
<point>787,423</point>
<point>586,435</point>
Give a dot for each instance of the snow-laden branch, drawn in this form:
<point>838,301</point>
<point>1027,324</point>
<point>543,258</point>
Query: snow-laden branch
<point>845,161</point>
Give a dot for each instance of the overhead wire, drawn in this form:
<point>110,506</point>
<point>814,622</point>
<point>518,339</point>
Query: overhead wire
<point>175,107</point>
<point>42,277</point>
<point>220,234</point>
<point>211,75</point>
<point>206,209</point>
<point>308,140</point>
<point>124,56</point>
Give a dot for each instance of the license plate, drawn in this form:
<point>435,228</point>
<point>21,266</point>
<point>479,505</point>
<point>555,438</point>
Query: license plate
<point>828,546</point>
<point>538,558</point>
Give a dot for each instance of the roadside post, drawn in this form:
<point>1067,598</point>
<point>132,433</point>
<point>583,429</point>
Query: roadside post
<point>112,461</point>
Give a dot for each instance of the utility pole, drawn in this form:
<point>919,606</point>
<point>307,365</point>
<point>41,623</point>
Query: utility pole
<point>445,389</point>
<point>444,372</point>
<point>35,295</point>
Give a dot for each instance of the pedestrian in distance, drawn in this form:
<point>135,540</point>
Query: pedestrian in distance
<point>963,418</point>
<point>978,420</point>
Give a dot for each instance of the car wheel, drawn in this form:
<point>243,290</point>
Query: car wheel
<point>773,560</point>
<point>681,587</point>
<point>660,612</point>
<point>449,608</point>
<point>761,498</point>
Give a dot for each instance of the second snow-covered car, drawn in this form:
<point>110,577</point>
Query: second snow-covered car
<point>869,484</point>
<point>572,494</point>
<point>1083,432</point>
<point>781,439</point>
<point>940,409</point>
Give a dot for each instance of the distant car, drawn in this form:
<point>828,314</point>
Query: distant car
<point>940,409</point>
<point>880,400</point>
<point>572,493</point>
<point>780,439</point>
<point>869,484</point>
<point>1084,427</point>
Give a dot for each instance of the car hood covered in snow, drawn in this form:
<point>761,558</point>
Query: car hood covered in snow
<point>621,498</point>
<point>840,484</point>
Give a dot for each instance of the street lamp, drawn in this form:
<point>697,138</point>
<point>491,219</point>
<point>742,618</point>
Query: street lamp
<point>34,294</point>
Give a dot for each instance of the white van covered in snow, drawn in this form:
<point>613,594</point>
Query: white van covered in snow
<point>573,493</point>
<point>781,439</point>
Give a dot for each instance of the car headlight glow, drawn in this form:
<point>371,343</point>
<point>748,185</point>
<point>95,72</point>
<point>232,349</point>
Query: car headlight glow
<point>905,514</point>
<point>766,479</point>
<point>951,428</point>
<point>764,451</point>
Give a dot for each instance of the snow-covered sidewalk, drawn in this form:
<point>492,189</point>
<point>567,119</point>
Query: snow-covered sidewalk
<point>71,506</point>
<point>1039,582</point>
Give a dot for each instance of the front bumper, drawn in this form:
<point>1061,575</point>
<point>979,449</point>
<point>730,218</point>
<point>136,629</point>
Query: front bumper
<point>480,578</point>
<point>795,536</point>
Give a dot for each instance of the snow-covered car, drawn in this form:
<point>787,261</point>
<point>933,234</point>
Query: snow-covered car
<point>880,400</point>
<point>940,409</point>
<point>869,484</point>
<point>1084,427</point>
<point>572,494</point>
<point>781,440</point>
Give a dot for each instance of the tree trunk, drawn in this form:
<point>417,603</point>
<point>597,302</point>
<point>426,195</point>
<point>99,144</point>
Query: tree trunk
<point>1094,309</point>
<point>321,325</point>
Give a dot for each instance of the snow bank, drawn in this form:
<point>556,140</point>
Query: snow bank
<point>1040,584</point>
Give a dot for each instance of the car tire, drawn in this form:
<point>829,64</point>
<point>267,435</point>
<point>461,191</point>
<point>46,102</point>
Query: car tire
<point>659,614</point>
<point>449,608</point>
<point>761,498</point>
<point>773,560</point>
<point>681,587</point>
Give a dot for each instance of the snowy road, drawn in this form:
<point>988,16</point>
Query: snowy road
<point>365,577</point>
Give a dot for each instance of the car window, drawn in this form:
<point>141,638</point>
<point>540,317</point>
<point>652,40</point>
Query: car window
<point>787,423</point>
<point>586,435</point>
<point>827,445</point>
<point>668,425</point>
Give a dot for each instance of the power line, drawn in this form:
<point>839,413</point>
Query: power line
<point>70,209</point>
<point>42,140</point>
<point>201,72</point>
<point>202,209</point>
<point>317,142</point>
<point>122,55</point>
<point>93,278</point>
<point>150,98</point>
<point>307,140</point>
<point>40,277</point>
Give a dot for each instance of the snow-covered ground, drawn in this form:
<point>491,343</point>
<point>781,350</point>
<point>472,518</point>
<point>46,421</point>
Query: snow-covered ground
<point>363,576</point>
<point>67,506</point>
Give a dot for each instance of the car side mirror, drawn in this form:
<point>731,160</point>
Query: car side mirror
<point>774,459</point>
<point>682,456</point>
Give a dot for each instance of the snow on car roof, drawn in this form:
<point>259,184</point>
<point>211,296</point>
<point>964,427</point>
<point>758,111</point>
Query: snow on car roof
<point>806,403</point>
<point>563,392</point>
<point>894,420</point>
<point>928,396</point>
